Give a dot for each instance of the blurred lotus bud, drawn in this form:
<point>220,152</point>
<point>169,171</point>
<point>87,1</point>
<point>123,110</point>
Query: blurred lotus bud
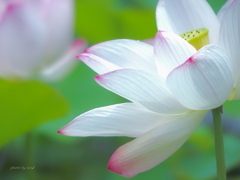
<point>36,39</point>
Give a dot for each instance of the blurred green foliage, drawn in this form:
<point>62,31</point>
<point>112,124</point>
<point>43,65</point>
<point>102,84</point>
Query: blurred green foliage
<point>232,108</point>
<point>59,157</point>
<point>25,105</point>
<point>99,21</point>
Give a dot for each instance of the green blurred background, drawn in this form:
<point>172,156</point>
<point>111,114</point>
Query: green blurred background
<point>57,157</point>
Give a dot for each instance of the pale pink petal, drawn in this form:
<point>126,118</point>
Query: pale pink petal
<point>58,16</point>
<point>64,65</point>
<point>170,51</point>
<point>152,148</point>
<point>204,81</point>
<point>22,41</point>
<point>2,9</point>
<point>125,53</point>
<point>141,87</point>
<point>229,38</point>
<point>125,119</point>
<point>180,16</point>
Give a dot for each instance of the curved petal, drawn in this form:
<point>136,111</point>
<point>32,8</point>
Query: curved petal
<point>180,16</point>
<point>223,9</point>
<point>229,38</point>
<point>170,51</point>
<point>149,41</point>
<point>23,41</point>
<point>204,81</point>
<point>155,146</point>
<point>115,120</point>
<point>141,87</point>
<point>61,67</point>
<point>125,53</point>
<point>97,64</point>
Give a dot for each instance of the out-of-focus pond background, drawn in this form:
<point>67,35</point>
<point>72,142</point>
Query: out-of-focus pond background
<point>58,157</point>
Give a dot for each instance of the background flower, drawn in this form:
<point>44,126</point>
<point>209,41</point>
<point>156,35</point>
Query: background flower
<point>35,40</point>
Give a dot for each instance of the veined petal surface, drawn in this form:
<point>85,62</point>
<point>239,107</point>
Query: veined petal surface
<point>126,54</point>
<point>229,38</point>
<point>127,119</point>
<point>155,146</point>
<point>204,81</point>
<point>180,16</point>
<point>143,88</point>
<point>97,64</point>
<point>223,9</point>
<point>170,51</point>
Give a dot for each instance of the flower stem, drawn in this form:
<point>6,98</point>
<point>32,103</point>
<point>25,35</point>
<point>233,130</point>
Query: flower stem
<point>219,146</point>
<point>29,156</point>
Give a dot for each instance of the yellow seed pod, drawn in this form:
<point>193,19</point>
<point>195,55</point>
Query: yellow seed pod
<point>198,38</point>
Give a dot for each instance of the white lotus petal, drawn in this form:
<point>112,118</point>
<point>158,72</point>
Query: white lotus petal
<point>97,64</point>
<point>115,120</point>
<point>141,87</point>
<point>229,38</point>
<point>126,54</point>
<point>223,9</point>
<point>180,16</point>
<point>204,81</point>
<point>170,51</point>
<point>155,146</point>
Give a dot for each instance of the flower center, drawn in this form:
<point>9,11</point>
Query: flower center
<point>198,38</point>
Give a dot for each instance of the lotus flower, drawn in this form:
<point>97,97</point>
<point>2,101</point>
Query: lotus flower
<point>36,38</point>
<point>171,87</point>
<point>180,16</point>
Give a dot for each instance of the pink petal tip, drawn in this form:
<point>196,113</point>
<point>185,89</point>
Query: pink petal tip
<point>78,56</point>
<point>98,78</point>
<point>60,131</point>
<point>119,168</point>
<point>11,7</point>
<point>86,51</point>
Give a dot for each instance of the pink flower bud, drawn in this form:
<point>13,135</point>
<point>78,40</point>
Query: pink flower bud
<point>34,35</point>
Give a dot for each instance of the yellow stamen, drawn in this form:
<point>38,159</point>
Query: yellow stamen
<point>198,38</point>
